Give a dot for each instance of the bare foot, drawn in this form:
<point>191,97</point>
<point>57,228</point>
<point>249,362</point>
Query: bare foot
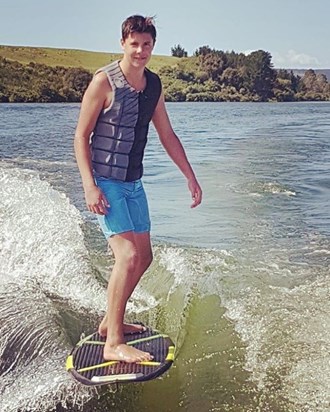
<point>128,328</point>
<point>125,353</point>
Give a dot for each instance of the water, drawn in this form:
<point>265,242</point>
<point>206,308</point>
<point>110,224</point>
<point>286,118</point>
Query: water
<point>241,284</point>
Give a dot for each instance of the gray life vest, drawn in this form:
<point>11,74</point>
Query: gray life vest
<point>120,134</point>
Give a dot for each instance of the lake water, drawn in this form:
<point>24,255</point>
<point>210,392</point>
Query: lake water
<point>241,284</point>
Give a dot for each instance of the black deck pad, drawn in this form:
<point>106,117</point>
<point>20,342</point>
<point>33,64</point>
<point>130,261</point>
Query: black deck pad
<point>87,365</point>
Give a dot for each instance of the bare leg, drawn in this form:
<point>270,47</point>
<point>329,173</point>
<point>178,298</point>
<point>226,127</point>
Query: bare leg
<point>133,255</point>
<point>145,253</point>
<point>128,328</point>
<point>141,267</point>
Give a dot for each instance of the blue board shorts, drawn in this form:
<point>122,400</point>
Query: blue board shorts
<point>128,209</point>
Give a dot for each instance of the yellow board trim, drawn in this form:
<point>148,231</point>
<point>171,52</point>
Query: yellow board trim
<point>80,343</point>
<point>69,362</point>
<point>160,335</point>
<point>131,342</point>
<point>170,354</point>
<point>102,365</point>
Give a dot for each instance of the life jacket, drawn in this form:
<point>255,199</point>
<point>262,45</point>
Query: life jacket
<point>120,134</point>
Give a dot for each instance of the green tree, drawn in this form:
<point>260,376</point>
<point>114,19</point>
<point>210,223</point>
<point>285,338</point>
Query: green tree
<point>286,86</point>
<point>202,51</point>
<point>259,74</point>
<point>309,81</point>
<point>77,79</point>
<point>232,77</point>
<point>178,51</point>
<point>213,63</point>
<point>315,86</point>
<point>322,82</point>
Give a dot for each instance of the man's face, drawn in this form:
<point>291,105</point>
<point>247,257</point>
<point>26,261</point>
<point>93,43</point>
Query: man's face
<point>137,48</point>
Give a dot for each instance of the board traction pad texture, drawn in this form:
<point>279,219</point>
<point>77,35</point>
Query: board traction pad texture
<point>87,365</point>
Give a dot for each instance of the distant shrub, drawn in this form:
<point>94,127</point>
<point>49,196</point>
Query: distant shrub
<point>40,83</point>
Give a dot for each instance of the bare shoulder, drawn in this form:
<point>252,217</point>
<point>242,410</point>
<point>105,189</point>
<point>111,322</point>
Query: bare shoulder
<point>101,79</point>
<point>100,83</point>
<point>99,91</point>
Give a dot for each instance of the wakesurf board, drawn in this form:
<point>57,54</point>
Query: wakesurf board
<point>87,365</point>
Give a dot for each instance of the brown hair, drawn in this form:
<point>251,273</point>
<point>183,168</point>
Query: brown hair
<point>138,24</point>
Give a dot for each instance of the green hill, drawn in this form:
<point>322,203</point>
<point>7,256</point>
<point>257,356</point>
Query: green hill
<point>36,74</point>
<point>72,58</point>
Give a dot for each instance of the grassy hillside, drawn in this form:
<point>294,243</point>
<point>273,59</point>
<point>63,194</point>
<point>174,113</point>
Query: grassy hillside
<point>72,58</point>
<point>35,74</point>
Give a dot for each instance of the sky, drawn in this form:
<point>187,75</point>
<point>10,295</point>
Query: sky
<point>295,32</point>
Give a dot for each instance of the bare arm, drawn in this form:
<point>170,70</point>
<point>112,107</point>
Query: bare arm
<point>95,98</point>
<point>175,150</point>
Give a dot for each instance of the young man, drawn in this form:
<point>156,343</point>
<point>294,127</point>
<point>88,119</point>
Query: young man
<point>116,110</point>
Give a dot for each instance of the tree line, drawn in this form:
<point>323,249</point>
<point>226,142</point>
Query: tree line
<point>208,75</point>
<point>215,75</point>
<point>36,82</point>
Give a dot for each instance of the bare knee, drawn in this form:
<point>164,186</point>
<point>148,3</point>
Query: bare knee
<point>128,259</point>
<point>132,256</point>
<point>139,262</point>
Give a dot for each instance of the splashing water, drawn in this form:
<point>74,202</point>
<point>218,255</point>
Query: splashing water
<point>43,257</point>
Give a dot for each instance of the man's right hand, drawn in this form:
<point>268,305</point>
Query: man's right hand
<point>96,201</point>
